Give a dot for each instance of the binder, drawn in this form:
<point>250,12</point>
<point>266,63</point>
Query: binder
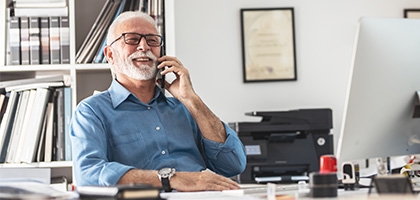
<point>64,40</point>
<point>45,40</point>
<point>54,40</point>
<point>14,41</point>
<point>24,40</point>
<point>34,41</point>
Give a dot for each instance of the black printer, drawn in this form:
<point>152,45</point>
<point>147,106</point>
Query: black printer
<point>284,146</point>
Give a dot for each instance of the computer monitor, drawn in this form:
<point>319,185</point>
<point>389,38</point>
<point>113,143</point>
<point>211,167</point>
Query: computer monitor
<point>385,75</point>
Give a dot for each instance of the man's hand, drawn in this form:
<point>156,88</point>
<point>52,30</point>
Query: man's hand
<point>201,181</point>
<point>181,88</point>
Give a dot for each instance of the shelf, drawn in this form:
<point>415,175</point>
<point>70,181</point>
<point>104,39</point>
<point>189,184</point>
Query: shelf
<point>53,164</point>
<point>96,66</point>
<point>58,67</point>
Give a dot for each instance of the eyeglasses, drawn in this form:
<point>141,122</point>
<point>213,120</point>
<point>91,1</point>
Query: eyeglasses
<point>152,40</point>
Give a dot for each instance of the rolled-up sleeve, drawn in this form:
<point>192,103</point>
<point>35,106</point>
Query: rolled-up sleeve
<point>228,158</point>
<point>89,148</point>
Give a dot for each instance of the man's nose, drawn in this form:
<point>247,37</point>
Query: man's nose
<point>143,46</point>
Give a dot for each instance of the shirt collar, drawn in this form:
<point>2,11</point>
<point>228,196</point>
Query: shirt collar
<point>119,93</point>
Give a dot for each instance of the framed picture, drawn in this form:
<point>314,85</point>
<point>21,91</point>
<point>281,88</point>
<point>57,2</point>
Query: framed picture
<point>268,44</point>
<point>412,13</point>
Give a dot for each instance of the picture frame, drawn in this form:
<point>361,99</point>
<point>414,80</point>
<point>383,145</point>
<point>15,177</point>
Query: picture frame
<point>268,44</point>
<point>412,13</point>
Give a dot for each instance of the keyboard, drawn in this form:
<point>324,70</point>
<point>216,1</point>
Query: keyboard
<point>254,188</point>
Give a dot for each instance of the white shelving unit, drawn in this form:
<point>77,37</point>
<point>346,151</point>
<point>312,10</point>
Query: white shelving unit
<point>85,78</point>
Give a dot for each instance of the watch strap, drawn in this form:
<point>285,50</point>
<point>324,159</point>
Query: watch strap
<point>166,185</point>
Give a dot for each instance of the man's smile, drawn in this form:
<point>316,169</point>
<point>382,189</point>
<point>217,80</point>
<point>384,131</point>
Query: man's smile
<point>142,59</point>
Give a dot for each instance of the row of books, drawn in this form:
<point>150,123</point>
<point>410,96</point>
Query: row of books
<point>34,120</point>
<point>91,50</point>
<point>33,8</point>
<point>38,40</point>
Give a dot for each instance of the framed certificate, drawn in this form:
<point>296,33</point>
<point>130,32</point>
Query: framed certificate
<point>268,44</point>
<point>412,13</point>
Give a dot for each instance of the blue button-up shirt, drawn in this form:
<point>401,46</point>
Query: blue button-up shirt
<point>113,132</point>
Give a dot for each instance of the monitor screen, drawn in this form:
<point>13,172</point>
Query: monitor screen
<point>381,95</point>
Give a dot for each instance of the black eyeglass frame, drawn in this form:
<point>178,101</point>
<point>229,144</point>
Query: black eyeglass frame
<point>141,37</point>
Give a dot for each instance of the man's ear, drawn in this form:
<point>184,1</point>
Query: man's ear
<point>109,54</point>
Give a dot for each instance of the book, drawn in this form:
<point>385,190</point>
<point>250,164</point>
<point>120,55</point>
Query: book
<point>45,40</point>
<point>7,56</point>
<point>143,6</point>
<point>101,33</point>
<point>35,85</point>
<point>34,41</point>
<point>16,135</point>
<point>39,3</point>
<point>67,119</point>
<point>88,46</point>
<point>40,11</point>
<point>59,136</point>
<point>64,40</point>
<point>7,124</point>
<point>40,155</point>
<point>24,125</point>
<point>100,51</point>
<point>48,148</point>
<point>135,191</point>
<point>135,5</point>
<point>34,128</point>
<point>3,104</point>
<point>55,40</point>
<point>63,111</point>
<point>14,41</point>
<point>24,40</point>
<point>66,79</point>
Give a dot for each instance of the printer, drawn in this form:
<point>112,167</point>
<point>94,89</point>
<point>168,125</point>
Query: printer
<point>285,146</point>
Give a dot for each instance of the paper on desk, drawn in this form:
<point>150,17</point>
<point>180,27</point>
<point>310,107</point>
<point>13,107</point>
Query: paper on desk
<point>32,190</point>
<point>219,195</point>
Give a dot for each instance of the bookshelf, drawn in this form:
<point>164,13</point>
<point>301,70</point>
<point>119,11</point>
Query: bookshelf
<point>85,78</point>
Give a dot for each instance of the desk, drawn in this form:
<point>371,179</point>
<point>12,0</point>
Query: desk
<point>243,194</point>
<point>359,194</point>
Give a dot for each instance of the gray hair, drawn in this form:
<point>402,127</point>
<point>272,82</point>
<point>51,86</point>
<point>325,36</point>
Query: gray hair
<point>125,16</point>
<point>122,18</point>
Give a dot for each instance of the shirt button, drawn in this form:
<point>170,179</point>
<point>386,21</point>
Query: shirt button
<point>157,128</point>
<point>148,108</point>
<point>163,152</point>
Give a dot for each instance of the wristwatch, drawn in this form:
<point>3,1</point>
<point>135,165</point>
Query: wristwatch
<point>164,175</point>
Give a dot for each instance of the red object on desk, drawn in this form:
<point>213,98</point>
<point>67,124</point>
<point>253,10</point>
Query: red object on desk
<point>328,164</point>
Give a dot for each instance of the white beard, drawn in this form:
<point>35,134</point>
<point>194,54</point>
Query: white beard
<point>143,72</point>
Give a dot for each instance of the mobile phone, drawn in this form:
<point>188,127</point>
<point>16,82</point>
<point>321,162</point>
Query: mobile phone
<point>159,76</point>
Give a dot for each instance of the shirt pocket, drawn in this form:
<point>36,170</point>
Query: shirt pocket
<point>130,149</point>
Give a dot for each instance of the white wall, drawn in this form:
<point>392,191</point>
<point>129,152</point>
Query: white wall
<point>208,42</point>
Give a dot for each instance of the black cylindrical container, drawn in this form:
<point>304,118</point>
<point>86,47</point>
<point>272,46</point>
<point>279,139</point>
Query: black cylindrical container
<point>323,184</point>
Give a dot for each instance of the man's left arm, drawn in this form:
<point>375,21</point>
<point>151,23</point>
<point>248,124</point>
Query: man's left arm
<point>221,144</point>
<point>209,124</point>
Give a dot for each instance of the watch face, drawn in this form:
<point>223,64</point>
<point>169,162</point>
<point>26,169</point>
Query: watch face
<point>165,172</point>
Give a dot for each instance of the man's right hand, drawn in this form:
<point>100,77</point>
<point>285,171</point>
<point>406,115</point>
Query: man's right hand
<point>201,181</point>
